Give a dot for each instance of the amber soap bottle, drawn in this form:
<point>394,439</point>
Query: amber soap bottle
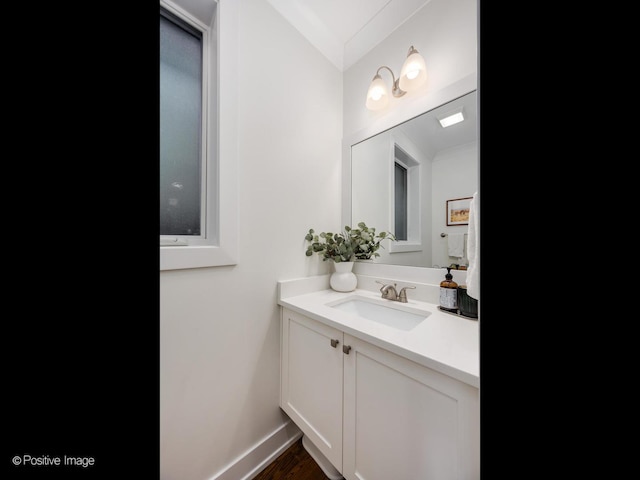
<point>449,293</point>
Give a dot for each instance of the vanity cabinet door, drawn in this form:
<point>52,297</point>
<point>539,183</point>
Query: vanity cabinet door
<point>311,381</point>
<point>405,421</point>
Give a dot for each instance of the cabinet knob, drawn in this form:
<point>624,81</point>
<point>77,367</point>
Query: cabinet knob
<point>334,343</point>
<point>346,348</point>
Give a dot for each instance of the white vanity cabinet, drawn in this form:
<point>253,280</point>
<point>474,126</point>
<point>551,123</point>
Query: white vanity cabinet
<point>374,414</point>
<point>406,421</point>
<point>311,381</point>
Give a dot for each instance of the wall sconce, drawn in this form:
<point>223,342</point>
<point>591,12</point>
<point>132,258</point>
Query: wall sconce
<point>412,76</point>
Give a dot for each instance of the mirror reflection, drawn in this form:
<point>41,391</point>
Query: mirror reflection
<point>413,180</point>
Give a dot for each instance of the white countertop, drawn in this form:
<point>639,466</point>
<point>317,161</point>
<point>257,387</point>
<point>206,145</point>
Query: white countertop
<point>443,342</point>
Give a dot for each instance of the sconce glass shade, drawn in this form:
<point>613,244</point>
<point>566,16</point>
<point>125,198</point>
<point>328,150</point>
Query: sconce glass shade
<point>414,71</point>
<point>377,95</point>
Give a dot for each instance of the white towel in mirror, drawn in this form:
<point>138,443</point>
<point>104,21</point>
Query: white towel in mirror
<point>456,244</point>
<point>473,254</point>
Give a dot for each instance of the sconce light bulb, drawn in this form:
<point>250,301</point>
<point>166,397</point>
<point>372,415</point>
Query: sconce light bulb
<point>377,95</point>
<point>414,71</point>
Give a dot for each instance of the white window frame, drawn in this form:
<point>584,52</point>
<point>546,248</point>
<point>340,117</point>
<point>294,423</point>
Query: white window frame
<point>222,248</point>
<point>414,194</point>
<point>407,178</point>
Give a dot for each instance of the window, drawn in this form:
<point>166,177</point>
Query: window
<point>182,150</point>
<point>400,178</point>
<point>198,135</point>
<point>406,210</point>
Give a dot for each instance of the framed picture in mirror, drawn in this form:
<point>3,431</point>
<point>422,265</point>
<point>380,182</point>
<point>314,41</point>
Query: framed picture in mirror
<point>458,211</point>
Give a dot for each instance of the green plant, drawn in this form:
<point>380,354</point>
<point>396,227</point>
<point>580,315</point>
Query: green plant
<point>359,243</point>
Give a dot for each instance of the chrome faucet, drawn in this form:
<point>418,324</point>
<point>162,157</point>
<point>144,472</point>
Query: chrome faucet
<point>389,292</point>
<point>402,296</point>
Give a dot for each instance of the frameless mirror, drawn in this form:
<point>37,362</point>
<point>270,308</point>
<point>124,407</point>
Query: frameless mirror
<point>411,178</point>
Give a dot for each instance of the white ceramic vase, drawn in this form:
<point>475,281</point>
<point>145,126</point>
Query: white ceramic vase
<point>343,279</point>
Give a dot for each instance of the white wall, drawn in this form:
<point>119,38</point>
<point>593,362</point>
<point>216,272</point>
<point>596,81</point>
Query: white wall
<point>449,184</point>
<point>370,182</point>
<point>219,327</point>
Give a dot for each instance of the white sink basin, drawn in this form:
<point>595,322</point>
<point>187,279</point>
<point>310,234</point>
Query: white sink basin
<point>387,312</point>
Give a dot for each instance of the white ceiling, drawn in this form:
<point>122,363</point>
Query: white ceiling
<point>345,30</point>
<point>430,137</point>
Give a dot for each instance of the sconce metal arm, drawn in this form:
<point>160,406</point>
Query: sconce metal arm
<point>396,91</point>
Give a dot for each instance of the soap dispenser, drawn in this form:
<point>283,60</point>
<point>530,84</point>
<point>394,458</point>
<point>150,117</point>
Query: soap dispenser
<point>449,293</point>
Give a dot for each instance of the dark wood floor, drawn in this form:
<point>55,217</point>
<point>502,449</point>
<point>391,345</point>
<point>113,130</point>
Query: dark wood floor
<point>294,464</point>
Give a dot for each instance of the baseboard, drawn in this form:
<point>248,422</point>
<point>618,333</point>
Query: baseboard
<point>254,460</point>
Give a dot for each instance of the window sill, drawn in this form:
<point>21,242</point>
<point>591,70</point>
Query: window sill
<point>183,257</point>
<point>402,246</point>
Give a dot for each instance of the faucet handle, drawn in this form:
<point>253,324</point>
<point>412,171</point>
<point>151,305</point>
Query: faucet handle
<point>388,291</point>
<point>384,285</point>
<point>402,296</point>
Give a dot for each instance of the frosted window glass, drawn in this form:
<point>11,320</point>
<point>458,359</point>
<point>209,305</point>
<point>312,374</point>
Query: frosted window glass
<point>180,129</point>
<point>401,219</point>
